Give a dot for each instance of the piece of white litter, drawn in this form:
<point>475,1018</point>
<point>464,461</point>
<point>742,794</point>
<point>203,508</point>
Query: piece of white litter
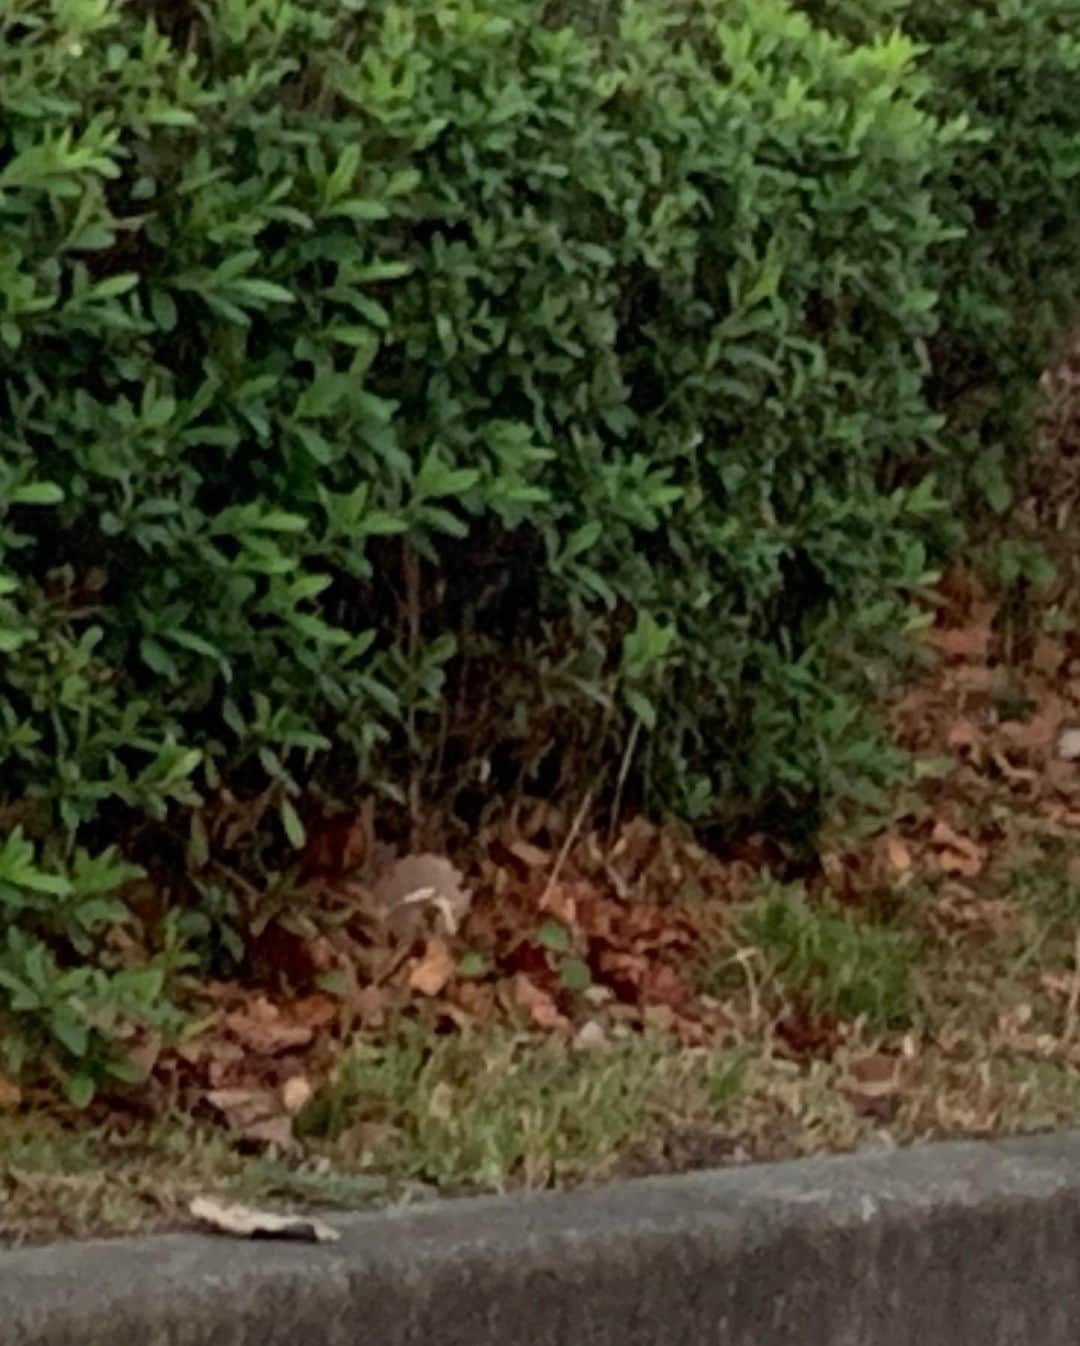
<point>590,1037</point>
<point>1068,745</point>
<point>247,1222</point>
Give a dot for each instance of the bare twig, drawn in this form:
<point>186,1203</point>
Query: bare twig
<point>410,565</point>
<point>624,771</point>
<point>564,850</point>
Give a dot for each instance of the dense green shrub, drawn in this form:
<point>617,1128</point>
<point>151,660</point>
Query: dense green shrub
<point>1011,283</point>
<point>400,395</point>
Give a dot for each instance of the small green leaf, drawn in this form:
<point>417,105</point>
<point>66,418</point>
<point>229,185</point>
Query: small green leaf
<point>574,975</point>
<point>381,524</point>
<point>69,1032</point>
<point>80,1090</point>
<point>472,964</point>
<point>553,936</point>
<point>172,116</point>
<point>294,828</point>
<point>262,291</point>
<point>37,493</point>
<point>358,208</point>
<point>156,658</point>
<point>163,310</point>
<point>124,1069</point>
<point>282,521</point>
<point>40,882</point>
<point>334,982</point>
<point>642,707</point>
<point>114,286</point>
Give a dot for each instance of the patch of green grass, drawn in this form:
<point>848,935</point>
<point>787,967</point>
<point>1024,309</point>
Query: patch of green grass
<point>57,1181</point>
<point>500,1110</point>
<point>464,1113</point>
<point>1044,887</point>
<point>834,964</point>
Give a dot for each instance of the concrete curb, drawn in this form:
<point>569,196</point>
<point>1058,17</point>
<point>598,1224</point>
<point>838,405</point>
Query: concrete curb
<point>966,1244</point>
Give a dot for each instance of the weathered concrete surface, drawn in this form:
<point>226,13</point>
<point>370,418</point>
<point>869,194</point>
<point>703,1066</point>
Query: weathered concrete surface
<point>948,1245</point>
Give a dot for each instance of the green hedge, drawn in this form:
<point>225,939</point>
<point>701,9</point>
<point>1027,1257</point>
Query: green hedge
<point>1012,193</point>
<point>446,399</point>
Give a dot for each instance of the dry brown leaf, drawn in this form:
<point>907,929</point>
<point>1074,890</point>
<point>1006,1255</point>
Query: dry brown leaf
<point>1037,733</point>
<point>274,1132</point>
<point>958,854</point>
<point>10,1094</point>
<point>1060,775</point>
<point>247,1222</point>
<point>255,1114</point>
<point>475,999</point>
<point>625,972</point>
<point>1012,1030</point>
<point>441,1102</point>
<point>295,1094</point>
<point>340,845</point>
<point>663,986</point>
<point>897,854</point>
<point>532,857</point>
<point>200,1049</point>
<point>262,1027</point>
<point>287,954</point>
<point>370,1004</point>
<point>431,972</point>
<point>459,1015</point>
<point>1048,655</point>
<point>958,907</point>
<point>1059,984</point>
<point>955,862</point>
<point>970,678</point>
<point>964,642</point>
<point>241,1107</point>
<point>660,1018</point>
<point>540,818</point>
<point>1016,774</point>
<point>873,1076</point>
<point>805,1035</point>
<point>962,734</point>
<point>314,1011</point>
<point>540,1006</point>
<point>143,1055</point>
<point>560,901</point>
